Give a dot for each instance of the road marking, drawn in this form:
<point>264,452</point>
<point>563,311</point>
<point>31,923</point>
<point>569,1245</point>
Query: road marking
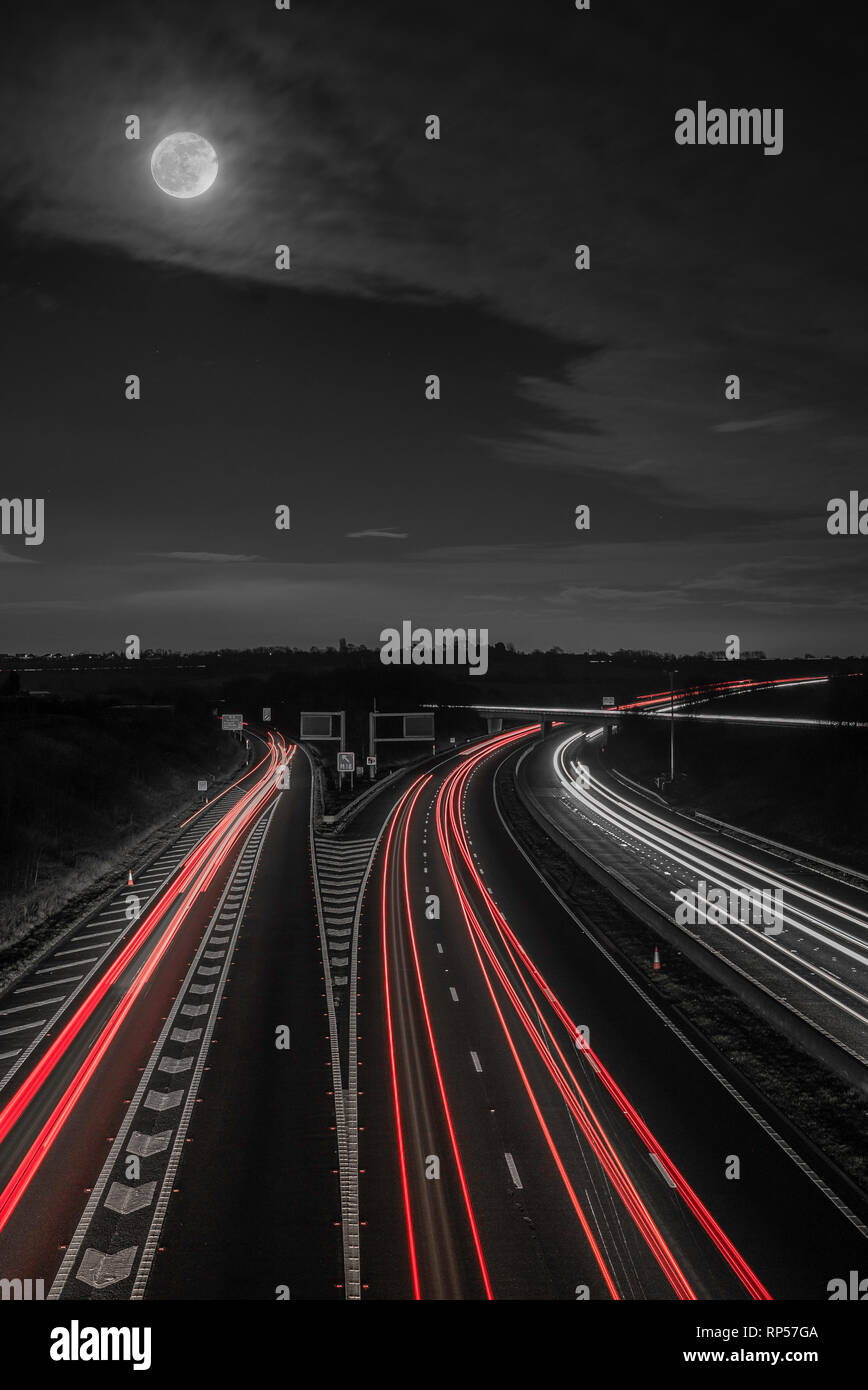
<point>50,969</point>
<point>21,1027</point>
<point>661,1170</point>
<point>99,1270</point>
<point>49,984</point>
<point>454,992</point>
<point>127,1198</point>
<point>145,1145</point>
<point>350,863</point>
<point>513,1171</point>
<point>476,1061</point>
<point>439,948</point>
<point>173,1065</point>
<point>37,1004</point>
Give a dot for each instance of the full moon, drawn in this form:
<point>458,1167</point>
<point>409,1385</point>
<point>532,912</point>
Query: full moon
<point>184,165</point>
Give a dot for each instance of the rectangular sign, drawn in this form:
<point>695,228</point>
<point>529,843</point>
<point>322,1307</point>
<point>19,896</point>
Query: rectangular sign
<point>202,785</point>
<point>266,714</point>
<point>233,722</point>
<point>346,762</point>
<point>370,762</point>
<point>608,701</point>
<point>419,726</point>
<point>314,725</point>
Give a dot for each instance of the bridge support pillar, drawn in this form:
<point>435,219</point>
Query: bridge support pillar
<point>546,728</point>
<point>495,725</point>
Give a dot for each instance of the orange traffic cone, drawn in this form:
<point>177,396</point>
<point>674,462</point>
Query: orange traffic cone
<point>130,879</point>
<point>655,964</point>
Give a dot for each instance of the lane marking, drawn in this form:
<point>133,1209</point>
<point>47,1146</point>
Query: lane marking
<point>662,1171</point>
<point>513,1171</point>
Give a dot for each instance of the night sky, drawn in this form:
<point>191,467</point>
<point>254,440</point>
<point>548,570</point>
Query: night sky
<point>409,257</point>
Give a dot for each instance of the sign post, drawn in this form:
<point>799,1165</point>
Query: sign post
<point>346,764</point>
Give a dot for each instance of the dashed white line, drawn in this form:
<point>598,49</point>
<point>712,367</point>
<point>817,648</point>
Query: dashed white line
<point>661,1170</point>
<point>513,1171</point>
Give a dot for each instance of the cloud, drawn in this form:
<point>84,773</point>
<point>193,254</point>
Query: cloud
<point>378,535</point>
<point>782,420</point>
<point>8,557</point>
<point>202,557</point>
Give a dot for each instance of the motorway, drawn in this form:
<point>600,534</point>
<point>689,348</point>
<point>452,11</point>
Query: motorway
<point>379,1063</point>
<point>98,1104</point>
<point>598,1168</point>
<point>810,953</point>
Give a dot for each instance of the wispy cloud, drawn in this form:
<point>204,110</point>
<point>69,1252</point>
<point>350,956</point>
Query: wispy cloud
<point>387,535</point>
<point>780,421</point>
<point>201,557</point>
<point>8,557</point>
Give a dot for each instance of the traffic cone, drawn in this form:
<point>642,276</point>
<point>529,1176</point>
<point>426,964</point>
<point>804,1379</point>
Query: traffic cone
<point>130,879</point>
<point>655,964</point>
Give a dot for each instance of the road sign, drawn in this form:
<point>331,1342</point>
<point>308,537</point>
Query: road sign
<point>370,762</point>
<point>608,701</point>
<point>233,722</point>
<point>317,725</point>
<point>202,785</point>
<point>346,762</point>
<point>266,714</point>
